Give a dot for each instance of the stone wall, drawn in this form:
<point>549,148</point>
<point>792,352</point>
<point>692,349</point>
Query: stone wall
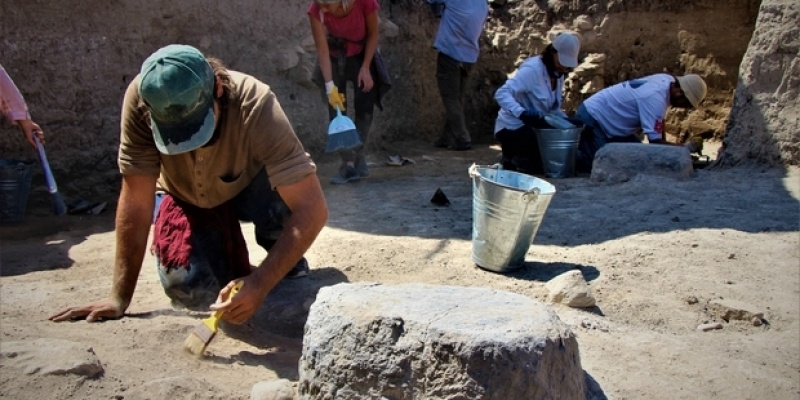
<point>764,125</point>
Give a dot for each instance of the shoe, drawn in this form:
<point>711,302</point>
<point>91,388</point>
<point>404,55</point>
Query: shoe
<point>441,143</point>
<point>461,146</point>
<point>361,167</point>
<point>300,270</point>
<point>346,174</point>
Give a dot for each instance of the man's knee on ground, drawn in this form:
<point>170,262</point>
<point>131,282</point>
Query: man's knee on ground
<point>188,287</point>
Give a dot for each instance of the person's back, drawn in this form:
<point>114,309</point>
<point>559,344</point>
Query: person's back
<point>460,28</point>
<point>624,108</point>
<point>616,113</point>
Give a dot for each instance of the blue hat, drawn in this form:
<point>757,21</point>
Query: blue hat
<point>177,85</point>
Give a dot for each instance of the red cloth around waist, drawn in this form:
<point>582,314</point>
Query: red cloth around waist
<point>173,228</point>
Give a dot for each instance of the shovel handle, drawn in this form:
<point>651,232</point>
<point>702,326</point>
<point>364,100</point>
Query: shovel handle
<point>48,174</point>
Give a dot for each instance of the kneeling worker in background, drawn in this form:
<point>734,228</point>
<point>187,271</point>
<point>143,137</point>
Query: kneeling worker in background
<point>618,112</point>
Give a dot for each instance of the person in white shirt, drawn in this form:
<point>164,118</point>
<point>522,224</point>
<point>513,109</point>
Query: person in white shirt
<point>533,92</point>
<point>618,112</point>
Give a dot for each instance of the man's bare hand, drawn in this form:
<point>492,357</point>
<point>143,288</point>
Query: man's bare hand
<point>242,305</point>
<point>96,311</point>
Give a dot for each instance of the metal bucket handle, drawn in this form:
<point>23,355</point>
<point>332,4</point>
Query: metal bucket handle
<point>531,195</point>
<point>473,171</point>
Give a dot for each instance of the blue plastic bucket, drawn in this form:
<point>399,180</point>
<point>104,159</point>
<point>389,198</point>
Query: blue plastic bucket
<point>15,185</point>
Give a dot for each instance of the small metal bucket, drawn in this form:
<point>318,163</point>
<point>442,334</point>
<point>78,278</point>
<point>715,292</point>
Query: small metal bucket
<point>507,209</point>
<point>558,148</point>
<point>15,184</point>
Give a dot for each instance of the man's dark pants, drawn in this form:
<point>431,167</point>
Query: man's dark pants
<point>592,139</point>
<point>364,102</point>
<point>197,285</point>
<point>452,76</point>
<point>520,150</point>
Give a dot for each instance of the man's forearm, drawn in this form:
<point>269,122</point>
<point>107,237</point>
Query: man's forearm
<point>309,215</point>
<point>134,216</point>
<point>131,243</point>
<point>300,231</point>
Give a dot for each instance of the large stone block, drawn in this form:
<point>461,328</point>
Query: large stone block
<point>415,341</point>
<point>619,162</point>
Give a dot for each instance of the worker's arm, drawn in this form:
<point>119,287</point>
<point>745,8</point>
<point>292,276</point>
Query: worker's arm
<point>321,45</point>
<point>134,217</point>
<point>365,81</point>
<point>309,214</point>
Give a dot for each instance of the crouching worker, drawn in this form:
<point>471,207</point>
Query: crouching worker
<point>218,148</point>
<point>617,113</point>
<point>533,92</point>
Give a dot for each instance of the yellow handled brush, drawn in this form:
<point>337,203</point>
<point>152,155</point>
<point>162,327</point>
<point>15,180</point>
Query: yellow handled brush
<point>199,339</point>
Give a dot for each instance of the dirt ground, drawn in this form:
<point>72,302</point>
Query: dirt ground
<point>648,247</point>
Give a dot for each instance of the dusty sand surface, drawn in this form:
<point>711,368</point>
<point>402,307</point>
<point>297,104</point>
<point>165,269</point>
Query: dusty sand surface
<point>655,252</point>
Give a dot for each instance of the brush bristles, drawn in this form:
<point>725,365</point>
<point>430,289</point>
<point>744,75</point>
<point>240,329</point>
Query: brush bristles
<point>343,140</point>
<point>199,338</point>
<point>195,344</point>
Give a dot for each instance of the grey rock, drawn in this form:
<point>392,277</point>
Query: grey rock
<point>620,162</point>
<point>412,341</point>
<point>280,389</point>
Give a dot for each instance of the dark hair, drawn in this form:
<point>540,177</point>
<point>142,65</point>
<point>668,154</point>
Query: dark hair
<point>224,78</point>
<point>549,60</point>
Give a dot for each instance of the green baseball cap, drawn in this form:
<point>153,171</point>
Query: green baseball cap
<point>177,85</point>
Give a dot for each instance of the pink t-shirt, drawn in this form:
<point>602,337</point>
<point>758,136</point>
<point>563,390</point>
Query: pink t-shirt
<point>352,27</point>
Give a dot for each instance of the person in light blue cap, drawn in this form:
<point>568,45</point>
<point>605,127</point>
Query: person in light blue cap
<point>218,149</point>
<point>534,91</point>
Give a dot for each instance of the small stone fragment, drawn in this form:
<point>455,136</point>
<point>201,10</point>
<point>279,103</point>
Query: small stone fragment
<point>709,327</point>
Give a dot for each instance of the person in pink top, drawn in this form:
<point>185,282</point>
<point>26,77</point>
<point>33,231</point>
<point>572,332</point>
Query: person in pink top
<point>346,37</point>
<point>14,108</point>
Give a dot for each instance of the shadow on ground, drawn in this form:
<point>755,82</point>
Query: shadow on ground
<point>396,201</point>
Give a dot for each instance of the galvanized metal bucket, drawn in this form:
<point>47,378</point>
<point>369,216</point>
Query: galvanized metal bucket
<point>507,209</point>
<point>558,148</point>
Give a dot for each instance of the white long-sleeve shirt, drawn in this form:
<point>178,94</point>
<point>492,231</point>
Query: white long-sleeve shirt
<point>528,88</point>
<point>623,108</point>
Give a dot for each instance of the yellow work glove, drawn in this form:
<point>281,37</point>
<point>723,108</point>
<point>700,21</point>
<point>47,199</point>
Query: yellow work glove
<point>335,99</point>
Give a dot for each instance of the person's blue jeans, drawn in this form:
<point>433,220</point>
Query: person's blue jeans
<point>593,137</point>
<point>196,285</point>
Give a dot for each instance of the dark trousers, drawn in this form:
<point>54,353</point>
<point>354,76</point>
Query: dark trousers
<point>520,150</point>
<point>210,268</point>
<point>592,139</point>
<point>364,102</point>
<point>452,76</point>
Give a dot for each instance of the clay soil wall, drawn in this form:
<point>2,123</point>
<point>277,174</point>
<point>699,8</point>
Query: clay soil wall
<point>73,59</point>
